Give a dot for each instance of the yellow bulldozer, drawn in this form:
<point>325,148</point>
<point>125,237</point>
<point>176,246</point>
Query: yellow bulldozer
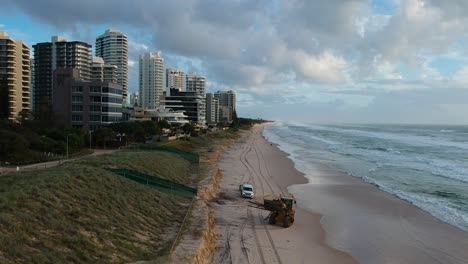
<point>281,209</point>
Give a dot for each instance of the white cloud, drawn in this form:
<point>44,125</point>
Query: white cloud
<point>461,76</point>
<point>325,68</point>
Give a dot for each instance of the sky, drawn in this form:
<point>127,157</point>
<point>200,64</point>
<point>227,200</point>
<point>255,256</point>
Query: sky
<point>334,61</point>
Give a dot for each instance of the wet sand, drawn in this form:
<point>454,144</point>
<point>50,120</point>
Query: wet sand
<point>377,227</point>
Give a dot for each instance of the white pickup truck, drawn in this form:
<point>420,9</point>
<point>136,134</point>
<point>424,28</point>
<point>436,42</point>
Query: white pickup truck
<point>246,190</point>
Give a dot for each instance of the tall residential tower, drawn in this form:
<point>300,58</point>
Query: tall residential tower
<point>14,77</point>
<point>103,72</point>
<point>227,105</point>
<point>151,80</point>
<point>197,84</point>
<point>112,46</point>
<point>59,53</point>
<point>174,79</point>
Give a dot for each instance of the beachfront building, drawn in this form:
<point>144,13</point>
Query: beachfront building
<point>225,114</point>
<point>227,98</point>
<point>151,80</point>
<point>48,56</point>
<point>189,103</point>
<point>112,46</point>
<point>88,105</point>
<point>14,77</point>
<point>227,105</point>
<point>174,79</point>
<point>212,109</point>
<point>173,117</point>
<point>103,72</point>
<point>197,84</point>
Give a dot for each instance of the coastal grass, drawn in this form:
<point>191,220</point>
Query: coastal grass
<point>200,144</point>
<point>82,213</point>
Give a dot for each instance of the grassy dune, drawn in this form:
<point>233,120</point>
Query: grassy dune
<point>81,213</point>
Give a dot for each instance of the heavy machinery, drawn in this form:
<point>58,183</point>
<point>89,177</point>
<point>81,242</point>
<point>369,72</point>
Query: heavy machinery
<point>281,209</point>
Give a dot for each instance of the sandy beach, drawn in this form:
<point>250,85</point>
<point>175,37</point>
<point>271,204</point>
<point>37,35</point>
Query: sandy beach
<point>339,218</point>
<point>244,236</point>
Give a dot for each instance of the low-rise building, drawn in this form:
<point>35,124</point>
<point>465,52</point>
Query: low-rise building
<point>173,117</point>
<point>85,104</point>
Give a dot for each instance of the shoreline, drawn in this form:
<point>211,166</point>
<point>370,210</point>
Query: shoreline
<point>358,217</point>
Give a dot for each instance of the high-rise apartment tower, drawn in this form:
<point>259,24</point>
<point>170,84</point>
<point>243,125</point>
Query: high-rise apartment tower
<point>112,46</point>
<point>57,54</point>
<point>151,69</point>
<point>14,77</point>
<point>174,79</point>
<point>197,84</point>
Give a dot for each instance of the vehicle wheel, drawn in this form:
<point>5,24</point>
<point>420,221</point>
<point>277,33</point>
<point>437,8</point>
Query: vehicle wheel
<point>287,222</point>
<point>272,219</point>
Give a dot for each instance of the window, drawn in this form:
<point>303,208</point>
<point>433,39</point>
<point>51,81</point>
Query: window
<point>111,100</point>
<point>95,99</point>
<point>95,118</point>
<point>77,89</point>
<point>77,118</point>
<point>94,127</point>
<point>77,108</point>
<point>77,98</point>
<point>94,89</point>
<point>111,118</point>
<point>95,108</point>
<point>111,109</point>
<point>111,90</point>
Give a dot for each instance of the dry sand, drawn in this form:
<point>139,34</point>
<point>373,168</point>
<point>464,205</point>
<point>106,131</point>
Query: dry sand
<point>362,223</point>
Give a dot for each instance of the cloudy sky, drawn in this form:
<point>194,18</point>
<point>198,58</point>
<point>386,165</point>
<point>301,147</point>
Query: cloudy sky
<point>354,61</point>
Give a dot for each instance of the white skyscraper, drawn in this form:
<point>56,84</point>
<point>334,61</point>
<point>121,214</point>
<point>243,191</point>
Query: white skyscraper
<point>151,80</point>
<point>212,109</point>
<point>112,46</point>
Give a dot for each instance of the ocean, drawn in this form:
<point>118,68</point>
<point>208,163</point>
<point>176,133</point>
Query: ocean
<point>424,165</point>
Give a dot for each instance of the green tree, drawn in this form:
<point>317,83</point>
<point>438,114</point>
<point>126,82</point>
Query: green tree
<point>23,116</point>
<point>103,135</point>
<point>187,128</point>
<point>164,124</point>
<point>150,128</point>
